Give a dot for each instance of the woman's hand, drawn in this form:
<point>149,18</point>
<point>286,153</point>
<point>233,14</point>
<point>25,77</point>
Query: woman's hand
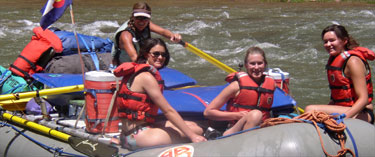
<point>198,138</point>
<point>175,38</point>
<point>241,114</point>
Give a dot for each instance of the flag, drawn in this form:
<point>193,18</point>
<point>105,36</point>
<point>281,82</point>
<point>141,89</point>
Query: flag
<point>52,11</point>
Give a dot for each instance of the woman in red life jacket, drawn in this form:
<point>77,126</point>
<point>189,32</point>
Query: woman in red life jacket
<point>249,95</point>
<point>349,76</point>
<point>129,37</point>
<point>139,98</point>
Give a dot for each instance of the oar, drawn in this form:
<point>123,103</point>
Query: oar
<point>84,146</point>
<point>301,110</point>
<point>43,92</point>
<point>207,57</point>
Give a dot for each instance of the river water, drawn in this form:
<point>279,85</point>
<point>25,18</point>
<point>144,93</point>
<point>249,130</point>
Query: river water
<point>288,32</point>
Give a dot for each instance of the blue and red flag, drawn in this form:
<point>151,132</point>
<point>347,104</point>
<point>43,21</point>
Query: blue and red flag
<point>52,11</point>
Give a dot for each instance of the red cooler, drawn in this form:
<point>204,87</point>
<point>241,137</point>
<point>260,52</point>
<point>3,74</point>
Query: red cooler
<point>99,88</point>
<point>281,78</point>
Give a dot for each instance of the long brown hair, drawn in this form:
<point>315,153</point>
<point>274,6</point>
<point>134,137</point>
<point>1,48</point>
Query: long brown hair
<point>342,34</point>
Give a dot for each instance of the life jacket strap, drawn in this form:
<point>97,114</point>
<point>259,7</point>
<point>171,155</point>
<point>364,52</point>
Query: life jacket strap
<point>339,87</point>
<point>258,89</point>
<point>127,96</point>
<point>99,119</point>
<point>161,82</point>
<point>328,67</point>
<point>342,100</point>
<point>135,114</point>
<point>26,75</point>
<point>28,61</point>
<point>252,107</point>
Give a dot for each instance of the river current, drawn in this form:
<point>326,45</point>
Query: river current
<point>288,32</point>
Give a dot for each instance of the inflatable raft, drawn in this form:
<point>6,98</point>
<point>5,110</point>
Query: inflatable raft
<point>22,136</point>
<point>292,139</point>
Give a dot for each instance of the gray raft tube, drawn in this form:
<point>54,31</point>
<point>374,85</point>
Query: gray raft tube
<point>294,139</point>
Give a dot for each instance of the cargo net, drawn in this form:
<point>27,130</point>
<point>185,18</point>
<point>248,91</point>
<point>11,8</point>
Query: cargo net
<point>317,118</point>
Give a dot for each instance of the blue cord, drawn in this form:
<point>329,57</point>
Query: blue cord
<point>92,53</point>
<point>340,119</point>
<point>58,150</point>
<point>353,141</point>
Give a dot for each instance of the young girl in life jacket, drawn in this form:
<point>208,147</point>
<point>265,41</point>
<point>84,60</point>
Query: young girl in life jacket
<point>249,95</point>
<point>129,37</point>
<point>140,96</point>
<point>349,76</point>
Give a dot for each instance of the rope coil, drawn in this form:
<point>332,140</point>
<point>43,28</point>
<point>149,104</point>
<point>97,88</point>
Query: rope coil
<point>326,121</point>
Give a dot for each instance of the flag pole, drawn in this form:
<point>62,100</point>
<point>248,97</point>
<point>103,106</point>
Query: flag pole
<point>80,58</point>
<point>76,36</point>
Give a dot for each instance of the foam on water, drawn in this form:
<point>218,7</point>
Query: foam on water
<point>267,45</point>
<point>94,28</point>
<point>194,27</point>
<point>367,13</point>
<point>2,34</point>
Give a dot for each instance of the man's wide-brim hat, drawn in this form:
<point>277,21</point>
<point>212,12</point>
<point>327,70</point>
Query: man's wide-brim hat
<point>141,12</point>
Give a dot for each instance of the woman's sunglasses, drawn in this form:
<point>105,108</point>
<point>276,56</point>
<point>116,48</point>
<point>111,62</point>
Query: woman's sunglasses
<point>140,18</point>
<point>157,54</point>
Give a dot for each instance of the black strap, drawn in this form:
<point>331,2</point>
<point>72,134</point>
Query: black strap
<point>346,87</point>
<point>127,96</point>
<point>258,89</point>
<point>28,61</point>
<point>348,99</point>
<point>100,120</point>
<point>338,87</point>
<point>161,82</point>
<point>134,113</point>
<point>328,67</point>
<point>369,81</point>
<point>23,72</point>
<point>252,107</point>
<point>342,100</point>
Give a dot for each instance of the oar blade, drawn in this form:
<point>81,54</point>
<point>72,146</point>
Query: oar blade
<point>91,148</point>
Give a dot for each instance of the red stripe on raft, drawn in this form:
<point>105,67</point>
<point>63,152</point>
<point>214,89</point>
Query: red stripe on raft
<point>196,96</point>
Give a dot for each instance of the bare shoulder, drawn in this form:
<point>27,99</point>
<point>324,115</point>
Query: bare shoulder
<point>355,60</point>
<point>355,67</point>
<point>146,78</point>
<point>355,63</point>
<point>233,87</point>
<point>126,35</point>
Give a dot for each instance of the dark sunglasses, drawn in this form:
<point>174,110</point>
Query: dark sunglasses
<point>157,54</point>
<point>142,18</point>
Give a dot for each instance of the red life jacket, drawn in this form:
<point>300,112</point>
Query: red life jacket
<point>252,96</point>
<point>342,89</point>
<point>133,105</point>
<point>25,65</point>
